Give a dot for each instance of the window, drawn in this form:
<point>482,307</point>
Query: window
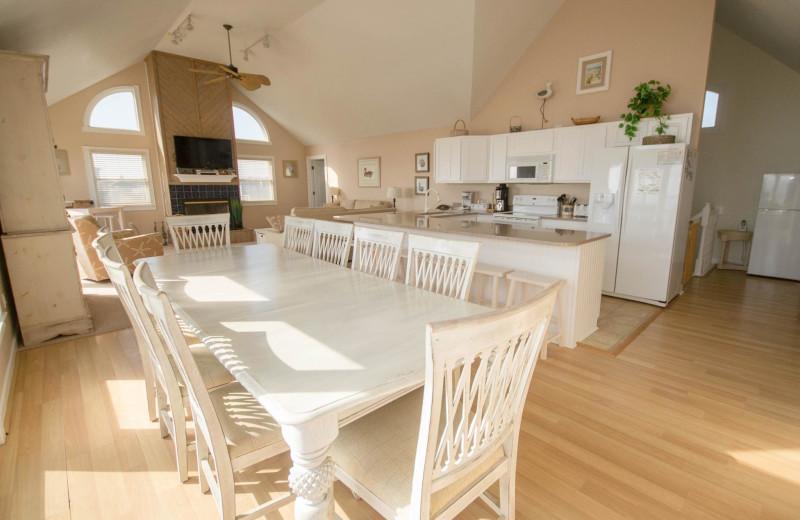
<point>710,109</point>
<point>257,180</point>
<point>120,177</point>
<point>248,127</point>
<point>116,110</point>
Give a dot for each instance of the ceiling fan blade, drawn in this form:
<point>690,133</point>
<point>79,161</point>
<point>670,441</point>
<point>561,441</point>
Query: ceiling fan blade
<point>202,71</point>
<point>259,78</point>
<point>249,82</point>
<point>222,77</point>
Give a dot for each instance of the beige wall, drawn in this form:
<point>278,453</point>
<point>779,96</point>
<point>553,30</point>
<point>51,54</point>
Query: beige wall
<point>66,119</point>
<point>757,133</point>
<point>648,42</point>
<point>290,191</point>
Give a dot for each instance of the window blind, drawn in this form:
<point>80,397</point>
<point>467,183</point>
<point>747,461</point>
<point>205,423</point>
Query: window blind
<point>256,179</point>
<point>121,179</point>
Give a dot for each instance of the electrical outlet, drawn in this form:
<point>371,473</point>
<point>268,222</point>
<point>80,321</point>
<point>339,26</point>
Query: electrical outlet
<point>719,210</point>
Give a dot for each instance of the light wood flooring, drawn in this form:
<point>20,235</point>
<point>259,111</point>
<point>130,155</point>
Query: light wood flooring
<point>698,418</point>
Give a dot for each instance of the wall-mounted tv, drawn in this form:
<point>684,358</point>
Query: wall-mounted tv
<point>203,153</point>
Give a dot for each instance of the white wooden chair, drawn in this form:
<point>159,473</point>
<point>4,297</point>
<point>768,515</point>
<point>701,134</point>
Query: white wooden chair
<point>196,232</point>
<point>442,447</point>
<point>298,234</point>
<point>524,280</point>
<point>165,388</point>
<point>332,241</point>
<point>440,265</point>
<point>232,430</point>
<point>377,251</point>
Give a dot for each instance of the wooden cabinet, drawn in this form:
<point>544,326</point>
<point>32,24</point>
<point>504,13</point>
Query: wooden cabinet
<point>463,159</point>
<point>184,104</point>
<point>574,146</point>
<point>532,142</point>
<point>498,152</point>
<point>37,242</point>
<point>679,125</point>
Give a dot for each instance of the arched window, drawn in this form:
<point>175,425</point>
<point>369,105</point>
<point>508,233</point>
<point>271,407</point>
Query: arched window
<point>116,110</point>
<point>247,126</point>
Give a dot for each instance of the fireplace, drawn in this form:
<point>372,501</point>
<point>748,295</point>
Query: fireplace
<point>181,195</point>
<point>205,207</point>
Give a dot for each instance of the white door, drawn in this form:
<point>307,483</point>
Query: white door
<point>652,192</point>
<point>317,183</point>
<point>606,168</point>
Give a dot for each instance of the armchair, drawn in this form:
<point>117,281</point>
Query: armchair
<point>131,247</point>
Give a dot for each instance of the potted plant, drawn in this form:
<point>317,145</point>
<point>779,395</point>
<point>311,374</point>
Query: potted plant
<point>647,102</point>
<point>236,213</point>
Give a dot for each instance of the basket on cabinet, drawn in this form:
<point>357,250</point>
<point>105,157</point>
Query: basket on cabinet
<point>455,132</point>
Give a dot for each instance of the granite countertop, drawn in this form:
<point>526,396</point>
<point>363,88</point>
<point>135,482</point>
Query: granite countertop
<point>456,226</point>
<point>573,219</point>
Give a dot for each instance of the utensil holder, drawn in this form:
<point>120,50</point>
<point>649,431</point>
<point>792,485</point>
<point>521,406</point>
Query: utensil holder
<point>567,210</point>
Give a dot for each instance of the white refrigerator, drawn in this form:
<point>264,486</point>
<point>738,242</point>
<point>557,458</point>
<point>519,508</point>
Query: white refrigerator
<point>642,196</point>
<point>776,238</point>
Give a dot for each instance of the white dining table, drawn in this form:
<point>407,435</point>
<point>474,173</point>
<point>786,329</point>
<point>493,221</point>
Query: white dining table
<point>318,345</point>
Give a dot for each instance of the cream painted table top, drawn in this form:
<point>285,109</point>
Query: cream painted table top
<point>315,343</point>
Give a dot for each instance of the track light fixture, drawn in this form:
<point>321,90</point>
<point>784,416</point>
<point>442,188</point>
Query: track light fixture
<point>179,33</point>
<point>249,50</point>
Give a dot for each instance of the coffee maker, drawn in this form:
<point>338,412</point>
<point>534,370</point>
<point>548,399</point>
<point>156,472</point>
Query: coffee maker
<point>501,198</point>
<point>466,200</point>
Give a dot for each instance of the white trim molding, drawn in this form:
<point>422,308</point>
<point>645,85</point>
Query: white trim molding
<point>87,115</point>
<point>258,120</point>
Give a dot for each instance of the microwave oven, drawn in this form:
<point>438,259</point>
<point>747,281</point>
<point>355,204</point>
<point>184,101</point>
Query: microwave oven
<point>530,168</point>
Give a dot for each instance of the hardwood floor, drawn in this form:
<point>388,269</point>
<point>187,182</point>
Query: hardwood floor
<point>698,418</point>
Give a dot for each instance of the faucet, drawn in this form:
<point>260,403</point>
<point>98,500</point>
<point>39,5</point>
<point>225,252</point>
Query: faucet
<point>438,199</point>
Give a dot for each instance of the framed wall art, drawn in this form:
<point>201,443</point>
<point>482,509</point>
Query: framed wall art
<point>594,73</point>
<point>422,162</point>
<point>290,169</point>
<point>369,172</point>
<point>421,185</point>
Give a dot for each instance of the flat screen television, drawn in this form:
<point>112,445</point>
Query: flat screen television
<point>203,153</point>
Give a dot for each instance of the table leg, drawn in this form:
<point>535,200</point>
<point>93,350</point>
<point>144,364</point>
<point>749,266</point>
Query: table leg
<point>312,473</point>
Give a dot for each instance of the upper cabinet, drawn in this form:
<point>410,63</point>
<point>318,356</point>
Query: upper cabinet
<point>463,159</point>
<point>573,147</point>
<point>529,143</point>
<point>498,153</point>
<point>679,125</point>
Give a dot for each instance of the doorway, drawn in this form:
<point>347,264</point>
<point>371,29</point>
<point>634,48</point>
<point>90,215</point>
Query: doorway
<point>317,185</point>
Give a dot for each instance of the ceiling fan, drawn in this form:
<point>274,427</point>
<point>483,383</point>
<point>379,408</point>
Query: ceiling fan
<point>248,81</point>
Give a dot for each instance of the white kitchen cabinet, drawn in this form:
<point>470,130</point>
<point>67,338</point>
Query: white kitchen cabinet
<point>679,125</point>
<point>463,159</point>
<point>573,149</point>
<point>447,157</point>
<point>498,152</point>
<point>532,142</point>
<point>563,223</point>
<point>485,217</point>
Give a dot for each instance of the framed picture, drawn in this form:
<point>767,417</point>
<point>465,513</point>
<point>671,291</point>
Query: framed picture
<point>422,162</point>
<point>594,73</point>
<point>290,169</point>
<point>421,221</point>
<point>421,185</point>
<point>369,172</point>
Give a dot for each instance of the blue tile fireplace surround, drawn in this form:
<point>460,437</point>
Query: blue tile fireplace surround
<point>180,193</point>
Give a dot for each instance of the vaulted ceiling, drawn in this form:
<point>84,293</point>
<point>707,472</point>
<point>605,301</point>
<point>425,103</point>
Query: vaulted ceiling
<point>340,69</point>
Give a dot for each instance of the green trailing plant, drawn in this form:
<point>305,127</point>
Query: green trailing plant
<point>647,102</point>
<point>236,212</point>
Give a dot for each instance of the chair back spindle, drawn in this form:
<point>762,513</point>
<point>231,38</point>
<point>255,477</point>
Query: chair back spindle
<point>332,242</point>
<point>198,232</point>
<point>298,234</point>
<point>377,251</point>
<point>440,265</point>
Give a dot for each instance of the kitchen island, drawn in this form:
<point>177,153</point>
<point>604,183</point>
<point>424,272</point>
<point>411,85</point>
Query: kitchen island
<point>571,255</point>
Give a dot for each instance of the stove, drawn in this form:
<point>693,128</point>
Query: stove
<point>528,208</point>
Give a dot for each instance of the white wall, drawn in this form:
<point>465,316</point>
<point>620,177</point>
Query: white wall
<point>758,131</point>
